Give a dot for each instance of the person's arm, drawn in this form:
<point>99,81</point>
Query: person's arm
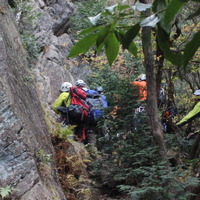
<point>60,100</point>
<point>135,83</point>
<point>194,113</point>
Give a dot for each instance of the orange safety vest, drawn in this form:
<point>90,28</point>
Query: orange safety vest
<point>142,87</point>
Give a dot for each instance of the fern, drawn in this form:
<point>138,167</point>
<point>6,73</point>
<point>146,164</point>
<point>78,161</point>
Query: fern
<point>65,132</point>
<point>43,157</point>
<point>5,191</point>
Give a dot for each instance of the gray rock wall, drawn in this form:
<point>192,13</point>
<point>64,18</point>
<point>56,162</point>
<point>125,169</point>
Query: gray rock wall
<point>51,32</point>
<point>26,97</point>
<point>23,131</point>
<point>52,67</point>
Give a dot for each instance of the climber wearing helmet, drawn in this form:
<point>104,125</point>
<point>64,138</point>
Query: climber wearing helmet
<point>78,96</point>
<point>99,89</point>
<point>79,90</point>
<point>142,77</point>
<point>194,113</point>
<point>80,83</point>
<point>141,84</point>
<point>64,98</point>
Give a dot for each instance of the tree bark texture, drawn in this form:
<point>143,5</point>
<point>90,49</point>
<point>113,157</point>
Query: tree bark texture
<point>152,107</point>
<point>159,67</point>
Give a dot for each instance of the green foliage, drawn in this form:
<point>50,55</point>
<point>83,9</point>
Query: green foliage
<point>43,157</point>
<point>191,48</point>
<point>65,132</point>
<point>101,37</point>
<point>31,45</point>
<point>130,35</point>
<point>107,37</point>
<point>130,159</point>
<point>5,191</point>
<point>120,33</point>
<point>164,42</point>
<point>154,190</point>
<point>135,168</point>
<point>172,10</point>
<point>83,45</point>
<point>158,185</point>
<point>116,87</point>
<point>84,9</point>
<point>111,47</point>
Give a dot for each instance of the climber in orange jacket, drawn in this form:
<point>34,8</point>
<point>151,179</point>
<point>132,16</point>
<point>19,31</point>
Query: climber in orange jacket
<point>142,87</point>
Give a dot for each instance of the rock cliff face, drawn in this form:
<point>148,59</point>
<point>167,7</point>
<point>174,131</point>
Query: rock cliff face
<point>23,131</point>
<point>50,31</point>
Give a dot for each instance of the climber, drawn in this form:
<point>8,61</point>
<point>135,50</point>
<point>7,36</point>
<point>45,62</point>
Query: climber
<point>141,94</point>
<point>64,98</point>
<point>141,83</point>
<point>78,97</point>
<point>80,84</point>
<point>98,103</point>
<point>194,113</point>
<point>99,89</point>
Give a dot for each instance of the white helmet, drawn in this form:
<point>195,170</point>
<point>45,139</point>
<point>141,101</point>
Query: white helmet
<point>99,89</point>
<point>142,77</point>
<point>65,86</point>
<point>80,83</point>
<point>197,93</point>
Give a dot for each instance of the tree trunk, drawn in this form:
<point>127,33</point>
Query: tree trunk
<point>152,105</point>
<point>159,67</point>
<point>151,89</point>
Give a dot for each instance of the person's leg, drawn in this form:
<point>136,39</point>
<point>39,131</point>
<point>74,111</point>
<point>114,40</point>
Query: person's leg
<point>91,143</point>
<point>78,132</point>
<point>90,136</point>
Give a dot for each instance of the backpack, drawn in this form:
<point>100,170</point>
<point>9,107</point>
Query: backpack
<point>96,103</point>
<point>104,100</point>
<point>78,110</point>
